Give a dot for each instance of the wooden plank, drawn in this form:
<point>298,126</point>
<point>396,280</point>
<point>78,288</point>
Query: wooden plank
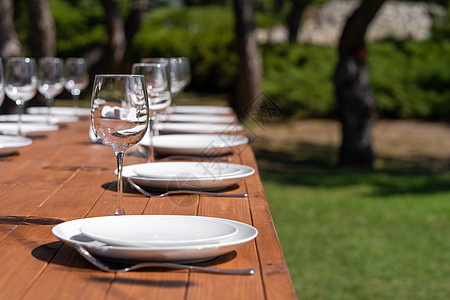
<point>275,273</point>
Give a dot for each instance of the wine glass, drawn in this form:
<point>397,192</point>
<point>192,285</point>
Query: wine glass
<point>50,80</point>
<point>76,78</point>
<point>20,83</point>
<point>159,95</point>
<point>2,91</point>
<point>119,117</point>
<point>176,76</point>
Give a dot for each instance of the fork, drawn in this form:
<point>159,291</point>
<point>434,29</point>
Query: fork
<point>108,268</point>
<point>174,192</point>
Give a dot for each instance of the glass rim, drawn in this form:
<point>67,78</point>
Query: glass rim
<point>141,64</point>
<point>118,75</point>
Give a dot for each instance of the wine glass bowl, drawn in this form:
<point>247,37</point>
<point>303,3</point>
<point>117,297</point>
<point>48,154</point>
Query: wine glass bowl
<point>159,95</point>
<point>119,117</point>
<point>76,78</point>
<point>20,83</point>
<point>50,80</point>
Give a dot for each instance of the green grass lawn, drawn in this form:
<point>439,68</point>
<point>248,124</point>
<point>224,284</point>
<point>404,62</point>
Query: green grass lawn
<point>359,235</point>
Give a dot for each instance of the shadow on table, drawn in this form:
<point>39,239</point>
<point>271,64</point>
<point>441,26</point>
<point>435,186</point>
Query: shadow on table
<point>28,220</point>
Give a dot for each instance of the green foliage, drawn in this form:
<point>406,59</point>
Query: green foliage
<point>410,79</point>
<point>204,34</point>
<point>299,78</point>
<point>78,27</point>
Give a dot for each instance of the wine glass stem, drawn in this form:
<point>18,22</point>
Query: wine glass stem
<point>19,117</point>
<point>75,99</point>
<point>49,100</point>
<point>120,153</point>
<point>151,151</point>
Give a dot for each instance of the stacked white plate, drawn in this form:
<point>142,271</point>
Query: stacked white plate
<point>186,175</point>
<point>11,143</point>
<point>54,119</point>
<point>27,128</point>
<point>60,111</point>
<point>171,128</point>
<point>156,237</point>
<point>201,109</point>
<point>199,118</point>
<point>195,144</point>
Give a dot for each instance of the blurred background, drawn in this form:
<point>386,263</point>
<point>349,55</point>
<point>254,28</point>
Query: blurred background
<point>347,233</point>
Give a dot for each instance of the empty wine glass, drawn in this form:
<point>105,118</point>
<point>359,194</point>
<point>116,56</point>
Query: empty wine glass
<point>159,95</point>
<point>2,91</point>
<point>50,80</point>
<point>76,78</point>
<point>20,83</point>
<point>119,117</point>
<point>176,76</point>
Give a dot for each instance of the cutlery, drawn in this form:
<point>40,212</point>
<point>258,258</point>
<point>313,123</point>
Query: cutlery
<point>108,268</point>
<point>173,192</point>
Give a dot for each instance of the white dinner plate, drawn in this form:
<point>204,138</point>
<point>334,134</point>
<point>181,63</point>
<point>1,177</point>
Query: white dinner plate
<point>196,144</point>
<point>10,143</point>
<point>170,128</point>
<point>69,232</point>
<point>27,128</point>
<point>190,175</point>
<point>198,118</point>
<point>200,109</point>
<point>62,111</point>
<point>54,119</point>
<point>142,231</point>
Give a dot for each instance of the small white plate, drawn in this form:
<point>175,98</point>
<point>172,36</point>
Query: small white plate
<point>201,109</point>
<point>198,118</point>
<point>10,143</point>
<point>54,119</point>
<point>12,128</point>
<point>63,111</point>
<point>69,232</point>
<point>141,231</point>
<point>169,128</point>
<point>196,144</point>
<point>187,177</point>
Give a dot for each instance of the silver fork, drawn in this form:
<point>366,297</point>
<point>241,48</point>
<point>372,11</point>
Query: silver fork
<point>173,192</point>
<point>107,268</point>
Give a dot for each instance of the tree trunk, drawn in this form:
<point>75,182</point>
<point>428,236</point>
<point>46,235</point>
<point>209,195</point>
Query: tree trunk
<point>294,17</point>
<point>42,29</point>
<point>355,99</point>
<point>247,96</point>
<point>9,42</point>
<point>117,42</point>
<point>134,20</point>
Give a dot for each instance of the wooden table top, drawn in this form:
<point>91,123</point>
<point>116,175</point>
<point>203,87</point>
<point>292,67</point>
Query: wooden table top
<point>62,177</point>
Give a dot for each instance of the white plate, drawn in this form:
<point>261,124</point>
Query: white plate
<point>198,128</point>
<point>63,111</point>
<point>201,109</point>
<point>69,232</point>
<point>54,119</point>
<point>12,128</point>
<point>186,182</point>
<point>195,144</point>
<point>142,231</point>
<point>196,118</point>
<point>10,143</point>
<point>175,170</point>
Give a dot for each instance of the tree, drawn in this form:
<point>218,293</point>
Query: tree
<point>294,17</point>
<point>120,33</point>
<point>42,28</point>
<point>9,42</point>
<point>247,96</point>
<point>355,100</point>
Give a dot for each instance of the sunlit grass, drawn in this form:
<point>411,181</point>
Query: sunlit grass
<point>373,235</point>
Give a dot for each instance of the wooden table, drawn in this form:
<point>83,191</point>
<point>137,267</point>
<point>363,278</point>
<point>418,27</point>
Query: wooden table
<point>62,176</point>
